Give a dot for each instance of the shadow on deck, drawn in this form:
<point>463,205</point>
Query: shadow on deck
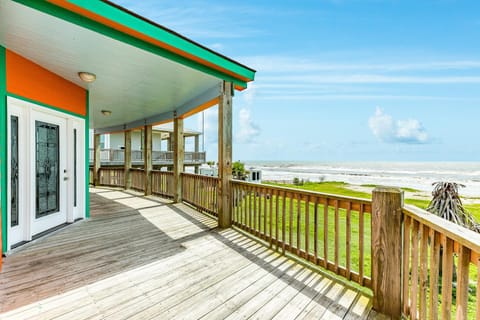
<point>143,257</point>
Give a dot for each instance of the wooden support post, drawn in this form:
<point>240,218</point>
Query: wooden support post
<point>170,142</point>
<point>178,158</point>
<point>225,156</point>
<point>147,159</point>
<point>387,251</point>
<point>127,158</point>
<point>96,159</point>
<point>196,155</point>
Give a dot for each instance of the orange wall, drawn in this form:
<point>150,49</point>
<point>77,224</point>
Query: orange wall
<point>31,81</point>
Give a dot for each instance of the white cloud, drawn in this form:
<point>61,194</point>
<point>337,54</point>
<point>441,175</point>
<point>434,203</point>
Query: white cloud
<point>248,130</point>
<point>386,129</point>
<point>209,123</point>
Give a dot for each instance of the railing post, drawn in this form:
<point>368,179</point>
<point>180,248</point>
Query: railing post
<point>127,156</point>
<point>96,159</point>
<point>147,159</point>
<point>387,205</point>
<point>225,155</point>
<point>178,158</point>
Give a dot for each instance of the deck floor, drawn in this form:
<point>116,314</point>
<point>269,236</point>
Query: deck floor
<point>145,258</point>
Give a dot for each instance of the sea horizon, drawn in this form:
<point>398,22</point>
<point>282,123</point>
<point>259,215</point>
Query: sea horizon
<point>418,175</point>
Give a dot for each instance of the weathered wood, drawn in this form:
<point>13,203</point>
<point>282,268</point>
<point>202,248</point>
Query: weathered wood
<point>423,272</point>
<point>478,290</point>
<point>96,159</point>
<point>225,155</point>
<point>325,234</point>
<point>414,276</point>
<point>147,158</point>
<point>462,283</point>
<point>406,264</point>
<point>337,235</point>
<point>447,277</point>
<point>178,158</point>
<point>361,243</point>
<point>386,250</point>
<point>127,158</point>
<point>434,273</point>
<point>348,240</point>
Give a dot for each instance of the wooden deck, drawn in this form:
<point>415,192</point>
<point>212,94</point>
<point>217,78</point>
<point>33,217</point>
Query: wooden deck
<point>144,258</point>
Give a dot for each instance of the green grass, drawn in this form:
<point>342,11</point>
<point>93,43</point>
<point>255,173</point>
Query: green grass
<point>299,223</point>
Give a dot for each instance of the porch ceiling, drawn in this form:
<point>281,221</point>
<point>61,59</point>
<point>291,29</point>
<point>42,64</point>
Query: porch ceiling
<point>134,83</point>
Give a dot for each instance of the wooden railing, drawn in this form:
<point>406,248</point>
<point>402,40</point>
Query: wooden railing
<point>327,230</point>
<point>90,176</point>
<point>113,177</point>
<point>162,183</point>
<point>201,192</point>
<point>435,252</point>
<point>137,177</point>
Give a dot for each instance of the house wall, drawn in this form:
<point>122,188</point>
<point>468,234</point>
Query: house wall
<point>23,79</point>
<point>117,141</point>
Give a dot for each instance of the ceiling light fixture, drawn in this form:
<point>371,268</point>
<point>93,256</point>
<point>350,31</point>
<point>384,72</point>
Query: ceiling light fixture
<point>87,76</point>
<point>106,112</point>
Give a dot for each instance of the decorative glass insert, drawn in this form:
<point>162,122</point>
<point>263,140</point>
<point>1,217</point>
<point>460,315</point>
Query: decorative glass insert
<point>47,168</point>
<point>74,167</point>
<point>14,217</point>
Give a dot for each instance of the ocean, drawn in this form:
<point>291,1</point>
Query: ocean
<point>417,175</point>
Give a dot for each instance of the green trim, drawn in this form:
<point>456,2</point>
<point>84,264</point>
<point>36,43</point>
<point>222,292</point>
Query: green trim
<point>141,26</point>
<point>3,145</point>
<point>87,157</point>
<point>45,105</point>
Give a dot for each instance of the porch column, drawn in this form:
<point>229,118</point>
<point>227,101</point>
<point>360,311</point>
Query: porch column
<point>96,159</point>
<point>225,155</point>
<point>178,158</point>
<point>196,156</point>
<point>387,206</point>
<point>147,158</point>
<point>127,158</point>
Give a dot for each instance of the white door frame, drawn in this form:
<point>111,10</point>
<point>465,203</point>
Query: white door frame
<point>27,114</point>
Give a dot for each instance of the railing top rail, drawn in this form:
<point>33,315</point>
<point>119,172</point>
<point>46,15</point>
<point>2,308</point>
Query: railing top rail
<point>461,235</point>
<point>163,172</point>
<point>198,175</point>
<point>307,193</point>
<point>136,169</point>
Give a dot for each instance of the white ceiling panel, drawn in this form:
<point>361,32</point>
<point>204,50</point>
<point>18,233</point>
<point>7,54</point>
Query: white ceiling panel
<point>134,84</point>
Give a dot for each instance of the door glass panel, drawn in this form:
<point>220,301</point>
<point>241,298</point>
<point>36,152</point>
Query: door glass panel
<point>47,168</point>
<point>14,171</point>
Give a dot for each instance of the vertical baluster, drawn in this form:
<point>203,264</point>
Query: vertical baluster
<point>325,234</point>
<point>447,275</point>
<point>290,219</point>
<point>307,226</point>
<point>265,203</point>
<point>260,197</point>
<point>478,288</point>
<point>315,230</point>
<point>283,221</point>
<point>462,282</point>
<point>299,223</point>
<point>406,264</point>
<point>270,214</point>
<point>361,236</point>
<point>255,211</point>
<point>276,217</point>
<point>434,272</point>
<point>348,240</point>
<point>337,234</point>
<point>423,272</point>
<point>414,280</point>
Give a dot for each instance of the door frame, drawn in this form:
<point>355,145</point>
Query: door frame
<point>28,111</point>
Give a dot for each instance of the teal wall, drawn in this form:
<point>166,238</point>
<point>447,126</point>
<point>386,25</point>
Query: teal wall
<point>3,145</point>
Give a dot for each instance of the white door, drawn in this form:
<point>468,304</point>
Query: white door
<point>48,170</point>
<point>45,165</point>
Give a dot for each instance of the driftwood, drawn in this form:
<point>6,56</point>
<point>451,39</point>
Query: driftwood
<point>446,203</point>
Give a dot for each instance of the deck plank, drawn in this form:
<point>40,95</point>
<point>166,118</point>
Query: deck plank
<point>144,257</point>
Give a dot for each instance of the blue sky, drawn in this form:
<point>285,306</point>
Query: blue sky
<point>342,80</point>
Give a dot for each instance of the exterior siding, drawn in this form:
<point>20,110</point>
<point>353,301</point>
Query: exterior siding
<point>29,80</point>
